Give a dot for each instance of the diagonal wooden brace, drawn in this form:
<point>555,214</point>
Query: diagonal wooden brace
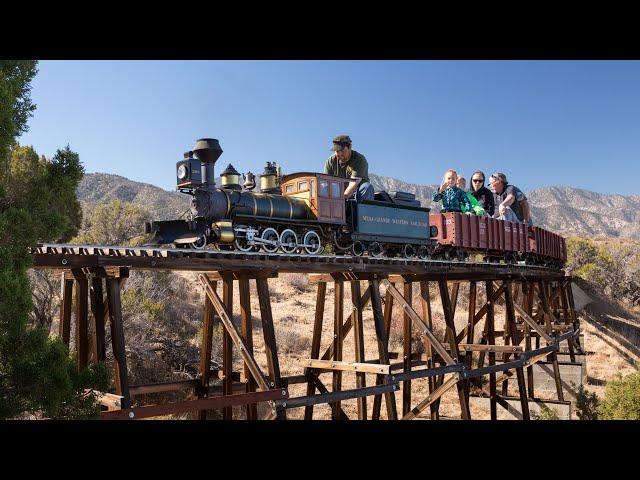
<point>233,332</point>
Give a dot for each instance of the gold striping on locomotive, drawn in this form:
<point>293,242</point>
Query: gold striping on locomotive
<point>271,206</point>
<point>290,207</point>
<point>228,201</point>
<point>255,205</point>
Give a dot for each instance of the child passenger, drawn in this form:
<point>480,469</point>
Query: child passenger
<point>453,198</point>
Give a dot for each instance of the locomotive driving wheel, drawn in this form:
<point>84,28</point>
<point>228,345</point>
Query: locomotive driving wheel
<point>312,243</point>
<point>288,241</point>
<point>200,243</point>
<point>270,235</point>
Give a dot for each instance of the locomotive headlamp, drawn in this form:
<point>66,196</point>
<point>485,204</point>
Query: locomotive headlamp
<point>182,172</point>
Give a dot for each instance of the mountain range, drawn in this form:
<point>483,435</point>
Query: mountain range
<point>565,210</point>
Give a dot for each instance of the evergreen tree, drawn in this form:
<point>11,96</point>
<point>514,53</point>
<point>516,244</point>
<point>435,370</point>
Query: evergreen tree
<point>37,203</point>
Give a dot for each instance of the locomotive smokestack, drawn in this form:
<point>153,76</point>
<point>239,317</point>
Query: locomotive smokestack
<point>208,150</point>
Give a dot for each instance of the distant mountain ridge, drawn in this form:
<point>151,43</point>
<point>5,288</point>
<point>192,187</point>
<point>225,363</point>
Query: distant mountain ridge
<point>565,210</point>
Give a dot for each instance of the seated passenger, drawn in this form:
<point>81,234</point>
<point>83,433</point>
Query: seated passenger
<point>453,199</point>
<point>512,203</point>
<point>348,163</point>
<point>461,183</point>
<point>482,193</point>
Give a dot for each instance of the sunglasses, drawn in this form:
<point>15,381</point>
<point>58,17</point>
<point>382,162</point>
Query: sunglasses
<point>477,180</point>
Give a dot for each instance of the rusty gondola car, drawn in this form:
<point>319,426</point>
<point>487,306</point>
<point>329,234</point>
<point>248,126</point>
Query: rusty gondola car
<point>460,235</point>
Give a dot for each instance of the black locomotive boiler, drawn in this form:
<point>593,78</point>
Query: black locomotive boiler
<point>297,213</point>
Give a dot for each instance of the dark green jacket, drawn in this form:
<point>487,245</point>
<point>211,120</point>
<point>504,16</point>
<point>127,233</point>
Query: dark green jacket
<point>357,166</point>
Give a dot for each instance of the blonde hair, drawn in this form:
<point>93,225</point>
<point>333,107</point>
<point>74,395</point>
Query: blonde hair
<point>451,170</point>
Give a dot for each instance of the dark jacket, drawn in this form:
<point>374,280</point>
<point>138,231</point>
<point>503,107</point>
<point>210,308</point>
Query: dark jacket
<point>485,198</point>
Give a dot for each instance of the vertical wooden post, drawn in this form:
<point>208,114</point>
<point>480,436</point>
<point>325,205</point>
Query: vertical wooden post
<point>247,336</point>
<point>315,345</point>
<point>425,301</point>
<point>270,340</point>
<point>567,317</point>
<point>118,342</point>
<point>465,414</point>
<point>383,342</point>
<point>553,356</point>
<point>82,319</point>
<point>388,313</point>
<point>64,328</point>
<point>358,331</point>
<point>227,345</point>
<point>97,308</point>
<point>528,290</point>
<point>491,339</point>
<point>338,313</point>
<point>205,351</point>
<point>511,324</point>
<point>406,350</point>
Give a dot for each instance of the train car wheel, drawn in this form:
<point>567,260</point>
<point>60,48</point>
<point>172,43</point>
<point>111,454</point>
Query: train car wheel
<point>423,252</point>
<point>375,249</point>
<point>408,251</point>
<point>357,248</point>
<point>312,243</point>
<point>271,235</point>
<point>461,255</point>
<point>288,241</point>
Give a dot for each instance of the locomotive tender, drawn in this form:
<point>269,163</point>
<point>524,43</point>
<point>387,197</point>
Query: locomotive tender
<point>306,211</point>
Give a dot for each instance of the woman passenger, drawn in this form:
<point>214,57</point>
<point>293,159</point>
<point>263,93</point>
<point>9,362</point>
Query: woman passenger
<point>482,193</point>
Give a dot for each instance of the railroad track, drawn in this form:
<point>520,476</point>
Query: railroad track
<point>65,256</point>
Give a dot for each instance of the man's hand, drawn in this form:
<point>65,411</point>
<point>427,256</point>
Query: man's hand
<point>502,210</point>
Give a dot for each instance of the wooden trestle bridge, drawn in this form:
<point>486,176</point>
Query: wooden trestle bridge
<point>539,322</point>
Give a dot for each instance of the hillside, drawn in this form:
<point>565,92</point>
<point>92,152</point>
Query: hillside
<point>566,210</point>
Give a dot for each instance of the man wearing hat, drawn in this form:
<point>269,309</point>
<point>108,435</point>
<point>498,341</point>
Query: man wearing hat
<point>348,163</point>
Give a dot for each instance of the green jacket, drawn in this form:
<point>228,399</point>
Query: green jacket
<point>357,166</point>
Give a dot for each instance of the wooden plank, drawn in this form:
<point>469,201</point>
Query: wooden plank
<point>247,337</point>
<point>333,365</point>
<point>406,350</point>
<point>433,340</point>
<point>65,309</point>
<point>358,331</point>
<point>441,390</point>
<point>118,341</point>
<point>511,323</point>
<point>482,312</point>
<point>234,334</point>
<point>553,357</point>
<point>98,310</point>
<point>268,332</point>
<point>383,342</point>
<point>82,320</point>
<point>338,310</point>
<point>388,312</point>
<point>315,344</point>
<point>205,351</point>
<point>491,339</point>
<point>222,401</point>
<point>227,343</point>
<point>136,390</point>
<point>425,302</point>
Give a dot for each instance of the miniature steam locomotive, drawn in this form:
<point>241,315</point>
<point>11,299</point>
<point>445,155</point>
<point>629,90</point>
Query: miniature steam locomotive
<point>306,212</point>
<point>301,212</point>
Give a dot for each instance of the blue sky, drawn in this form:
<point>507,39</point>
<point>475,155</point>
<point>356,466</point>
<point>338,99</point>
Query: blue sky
<point>543,123</point>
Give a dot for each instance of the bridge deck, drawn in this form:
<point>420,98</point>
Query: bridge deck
<point>63,256</point>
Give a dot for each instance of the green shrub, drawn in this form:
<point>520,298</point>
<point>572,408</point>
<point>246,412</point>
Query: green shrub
<point>622,398</point>
<point>586,404</point>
